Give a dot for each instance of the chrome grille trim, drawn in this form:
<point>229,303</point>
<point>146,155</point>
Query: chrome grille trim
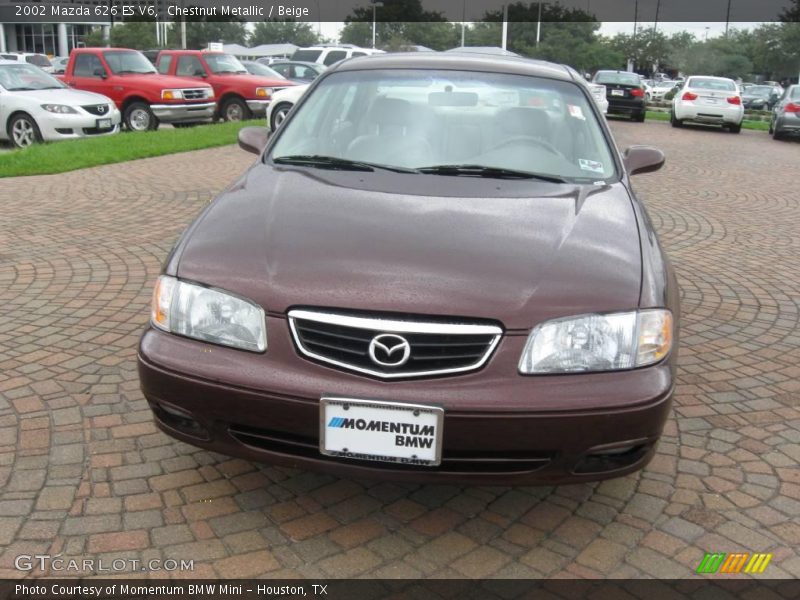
<point>377,325</point>
<point>195,93</point>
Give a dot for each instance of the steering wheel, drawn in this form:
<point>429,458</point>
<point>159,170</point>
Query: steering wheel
<point>526,139</point>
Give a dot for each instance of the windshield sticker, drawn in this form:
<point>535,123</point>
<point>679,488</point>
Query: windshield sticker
<point>591,165</point>
<point>576,111</point>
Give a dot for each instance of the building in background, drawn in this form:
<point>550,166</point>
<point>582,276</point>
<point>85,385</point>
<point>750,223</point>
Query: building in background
<point>53,39</point>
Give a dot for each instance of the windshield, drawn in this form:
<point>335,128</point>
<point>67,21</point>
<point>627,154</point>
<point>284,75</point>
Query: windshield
<point>24,77</point>
<point>255,68</point>
<point>131,61</point>
<point>763,91</point>
<point>224,63</point>
<point>306,55</point>
<point>420,119</point>
<point>718,85</point>
<point>618,78</point>
<point>40,60</point>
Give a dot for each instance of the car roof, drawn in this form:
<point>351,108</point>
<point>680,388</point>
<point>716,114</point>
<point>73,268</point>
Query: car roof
<point>711,77</point>
<point>458,62</point>
<point>4,61</point>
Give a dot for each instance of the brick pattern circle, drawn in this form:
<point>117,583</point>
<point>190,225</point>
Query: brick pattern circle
<point>84,473</point>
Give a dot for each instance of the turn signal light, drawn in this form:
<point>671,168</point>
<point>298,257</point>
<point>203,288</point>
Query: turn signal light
<point>689,96</point>
<point>735,100</point>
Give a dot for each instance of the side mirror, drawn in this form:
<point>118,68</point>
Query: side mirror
<point>642,159</point>
<point>253,139</point>
<point>98,72</point>
<point>200,73</point>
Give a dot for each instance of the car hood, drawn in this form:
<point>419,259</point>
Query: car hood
<point>289,238</point>
<point>66,96</point>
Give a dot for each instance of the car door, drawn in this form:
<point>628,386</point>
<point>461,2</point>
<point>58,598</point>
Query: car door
<point>89,73</point>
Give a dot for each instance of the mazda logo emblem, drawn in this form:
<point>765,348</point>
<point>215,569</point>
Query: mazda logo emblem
<point>101,109</point>
<point>389,350</point>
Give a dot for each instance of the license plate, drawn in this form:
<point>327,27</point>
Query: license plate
<point>103,123</point>
<point>617,92</point>
<point>711,100</point>
<point>409,434</point>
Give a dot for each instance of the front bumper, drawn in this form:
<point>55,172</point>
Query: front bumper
<point>258,107</point>
<point>499,427</point>
<point>184,113</point>
<point>54,127</point>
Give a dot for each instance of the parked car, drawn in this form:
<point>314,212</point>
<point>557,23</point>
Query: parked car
<point>31,58</point>
<point>625,93</point>
<point>599,95</point>
<point>328,55</point>
<point>708,100</point>
<point>786,114</point>
<point>760,97</point>
<point>661,88</point>
<point>282,103</point>
<point>36,107</point>
<point>144,97</point>
<point>59,64</point>
<point>299,72</point>
<point>424,288</point>
<point>262,70</point>
<point>240,95</point>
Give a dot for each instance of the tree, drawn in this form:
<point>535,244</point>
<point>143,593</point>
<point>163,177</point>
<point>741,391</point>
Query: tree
<point>400,21</point>
<point>649,49</point>
<point>139,35</point>
<point>200,33</point>
<point>284,32</point>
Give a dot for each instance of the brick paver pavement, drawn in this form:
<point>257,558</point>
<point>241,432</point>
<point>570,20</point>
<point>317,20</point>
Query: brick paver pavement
<point>84,472</point>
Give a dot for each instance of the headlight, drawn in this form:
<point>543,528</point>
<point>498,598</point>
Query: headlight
<point>171,94</point>
<point>598,342</point>
<point>208,314</point>
<point>60,109</point>
<point>264,92</point>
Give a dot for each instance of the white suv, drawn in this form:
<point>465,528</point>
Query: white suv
<point>37,60</point>
<point>328,55</point>
<point>712,100</point>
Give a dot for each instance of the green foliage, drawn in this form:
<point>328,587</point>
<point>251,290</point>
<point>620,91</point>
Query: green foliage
<point>139,35</point>
<point>284,32</point>
<point>200,33</point>
<point>400,22</point>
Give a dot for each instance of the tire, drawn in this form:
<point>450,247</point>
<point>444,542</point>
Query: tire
<point>279,114</point>
<point>139,117</point>
<point>735,128</point>
<point>639,118</point>
<point>674,121</point>
<point>235,109</point>
<point>776,134</point>
<point>23,131</point>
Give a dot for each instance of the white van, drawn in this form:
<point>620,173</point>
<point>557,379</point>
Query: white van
<point>328,55</point>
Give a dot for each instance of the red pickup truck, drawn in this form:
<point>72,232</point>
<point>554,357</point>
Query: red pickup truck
<point>239,94</point>
<point>145,97</point>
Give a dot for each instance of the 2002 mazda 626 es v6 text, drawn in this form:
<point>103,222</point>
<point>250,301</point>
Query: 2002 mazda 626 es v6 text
<point>436,271</point>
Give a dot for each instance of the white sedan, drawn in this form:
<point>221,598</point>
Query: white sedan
<point>35,107</point>
<point>599,95</point>
<point>282,103</point>
<point>711,100</point>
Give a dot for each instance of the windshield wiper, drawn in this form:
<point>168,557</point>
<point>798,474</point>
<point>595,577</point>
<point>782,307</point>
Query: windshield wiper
<point>333,162</point>
<point>490,172</point>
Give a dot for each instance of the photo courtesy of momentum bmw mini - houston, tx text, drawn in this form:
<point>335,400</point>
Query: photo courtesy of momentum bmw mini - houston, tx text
<point>436,271</point>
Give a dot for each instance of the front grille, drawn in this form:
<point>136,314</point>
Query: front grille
<point>96,131</point>
<point>391,348</point>
<point>98,109</point>
<point>195,94</point>
<point>472,462</point>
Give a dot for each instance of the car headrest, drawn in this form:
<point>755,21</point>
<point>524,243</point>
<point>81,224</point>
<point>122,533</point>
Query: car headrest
<point>524,121</point>
<point>391,111</point>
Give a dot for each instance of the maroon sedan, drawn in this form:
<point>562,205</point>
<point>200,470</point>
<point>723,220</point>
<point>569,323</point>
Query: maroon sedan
<point>436,271</point>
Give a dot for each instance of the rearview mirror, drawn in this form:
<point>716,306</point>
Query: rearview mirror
<point>643,159</point>
<point>253,139</point>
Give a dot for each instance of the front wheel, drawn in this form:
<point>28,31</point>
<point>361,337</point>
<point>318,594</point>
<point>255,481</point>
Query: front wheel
<point>139,117</point>
<point>235,110</point>
<point>24,131</point>
<point>278,115</point>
